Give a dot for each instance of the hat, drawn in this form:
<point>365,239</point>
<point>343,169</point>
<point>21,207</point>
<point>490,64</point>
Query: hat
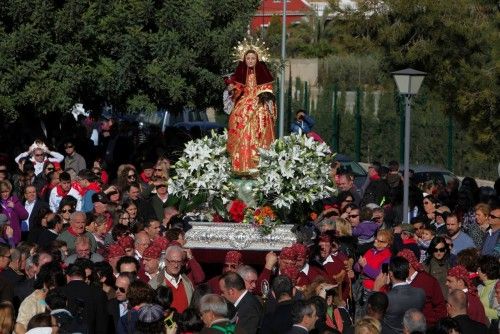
<point>100,197</point>
<point>411,258</point>
<point>408,228</point>
<point>287,253</point>
<point>372,206</point>
<point>106,116</point>
<point>115,250</point>
<point>3,219</point>
<point>233,257</point>
<point>151,313</point>
<point>126,242</point>
<point>148,165</point>
<point>152,252</point>
<point>460,272</point>
<point>300,250</point>
<point>162,242</point>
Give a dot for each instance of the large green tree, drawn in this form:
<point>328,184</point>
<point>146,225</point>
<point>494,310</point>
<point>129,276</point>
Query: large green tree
<point>132,54</point>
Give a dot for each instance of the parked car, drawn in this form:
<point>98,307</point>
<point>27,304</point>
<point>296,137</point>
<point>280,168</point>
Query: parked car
<point>425,173</point>
<point>348,165</point>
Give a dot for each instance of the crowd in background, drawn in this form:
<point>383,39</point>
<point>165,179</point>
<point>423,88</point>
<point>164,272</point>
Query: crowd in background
<point>88,245</point>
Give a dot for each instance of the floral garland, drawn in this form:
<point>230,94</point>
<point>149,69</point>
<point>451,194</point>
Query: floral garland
<point>293,170</point>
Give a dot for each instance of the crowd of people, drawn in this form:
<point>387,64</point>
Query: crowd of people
<point>85,248</point>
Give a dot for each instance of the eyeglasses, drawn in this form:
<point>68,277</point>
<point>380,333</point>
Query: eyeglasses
<point>493,216</point>
<point>122,290</point>
<point>67,211</point>
<point>440,250</point>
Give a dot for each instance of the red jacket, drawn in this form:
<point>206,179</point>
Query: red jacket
<point>435,305</point>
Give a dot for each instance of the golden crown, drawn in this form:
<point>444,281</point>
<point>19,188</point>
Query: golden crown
<point>249,44</point>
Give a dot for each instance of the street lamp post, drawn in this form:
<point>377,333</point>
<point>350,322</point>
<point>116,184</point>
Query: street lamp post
<point>281,127</point>
<point>408,82</point>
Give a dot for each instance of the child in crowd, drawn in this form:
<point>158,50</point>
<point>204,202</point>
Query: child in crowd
<point>424,240</point>
<point>365,231</point>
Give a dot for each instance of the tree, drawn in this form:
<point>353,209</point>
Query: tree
<point>132,54</point>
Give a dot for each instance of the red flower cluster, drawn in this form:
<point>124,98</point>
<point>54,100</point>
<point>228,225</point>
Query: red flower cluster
<point>237,210</point>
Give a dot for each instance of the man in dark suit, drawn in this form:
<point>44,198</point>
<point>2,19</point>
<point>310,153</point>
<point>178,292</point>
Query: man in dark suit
<point>118,306</point>
<point>86,301</point>
<point>49,234</point>
<point>33,205</point>
<point>376,306</point>
<point>281,319</point>
<point>402,296</point>
<point>248,307</point>
<point>457,309</point>
<point>304,317</point>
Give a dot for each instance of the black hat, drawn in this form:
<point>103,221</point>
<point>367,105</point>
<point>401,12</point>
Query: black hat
<point>100,197</point>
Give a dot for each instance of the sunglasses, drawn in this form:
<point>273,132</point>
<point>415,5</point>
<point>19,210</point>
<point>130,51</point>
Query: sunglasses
<point>131,176</point>
<point>39,155</point>
<point>158,169</point>
<point>353,216</point>
<point>67,211</point>
<point>440,250</point>
<point>376,218</point>
<point>493,216</point>
<point>122,290</point>
<point>50,169</point>
<point>68,146</point>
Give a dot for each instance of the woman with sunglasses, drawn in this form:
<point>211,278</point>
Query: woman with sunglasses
<point>66,208</point>
<point>126,176</point>
<point>38,153</point>
<point>439,260</point>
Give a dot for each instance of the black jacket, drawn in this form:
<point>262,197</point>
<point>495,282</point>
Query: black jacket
<point>89,303</point>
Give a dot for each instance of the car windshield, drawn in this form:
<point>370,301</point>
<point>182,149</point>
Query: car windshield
<point>352,167</point>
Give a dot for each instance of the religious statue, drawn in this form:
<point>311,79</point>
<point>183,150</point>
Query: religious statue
<point>252,119</point>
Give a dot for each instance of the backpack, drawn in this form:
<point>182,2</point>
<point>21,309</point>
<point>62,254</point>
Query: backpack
<point>228,329</point>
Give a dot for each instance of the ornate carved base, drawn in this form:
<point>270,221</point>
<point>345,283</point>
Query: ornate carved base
<point>237,236</point>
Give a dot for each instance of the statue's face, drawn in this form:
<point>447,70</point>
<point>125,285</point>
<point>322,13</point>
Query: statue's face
<point>251,59</point>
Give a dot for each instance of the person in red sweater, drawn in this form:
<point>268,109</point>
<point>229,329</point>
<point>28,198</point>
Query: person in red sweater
<point>307,273</point>
<point>370,266</point>
<point>182,288</point>
<point>458,278</point>
<point>334,263</point>
<point>435,304</point>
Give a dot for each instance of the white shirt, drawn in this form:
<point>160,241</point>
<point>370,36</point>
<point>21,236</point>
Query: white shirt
<point>123,308</point>
<point>400,284</point>
<point>25,223</point>
<point>174,281</point>
<point>55,199</point>
<point>412,277</point>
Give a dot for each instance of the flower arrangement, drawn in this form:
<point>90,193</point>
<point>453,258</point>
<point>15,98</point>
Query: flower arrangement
<point>202,175</point>
<point>293,174</point>
<point>263,218</point>
<point>294,170</point>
